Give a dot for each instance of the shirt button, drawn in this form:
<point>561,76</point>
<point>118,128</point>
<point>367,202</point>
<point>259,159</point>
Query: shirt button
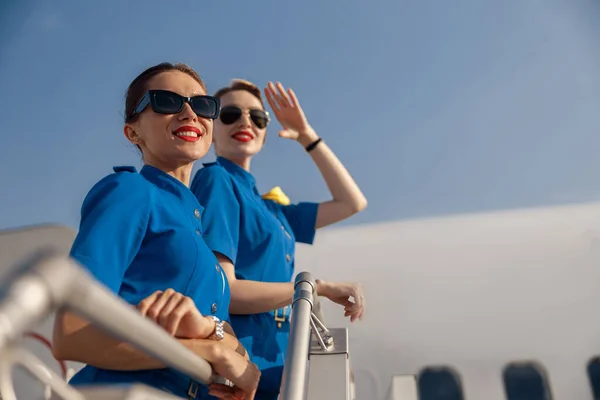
<point>196,213</point>
<point>213,308</point>
<point>198,232</point>
<point>288,258</point>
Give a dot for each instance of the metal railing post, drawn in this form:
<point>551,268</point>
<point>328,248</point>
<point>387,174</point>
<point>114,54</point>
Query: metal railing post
<point>293,383</point>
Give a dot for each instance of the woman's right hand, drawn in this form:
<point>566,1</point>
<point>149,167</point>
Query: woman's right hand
<point>349,295</point>
<point>240,371</point>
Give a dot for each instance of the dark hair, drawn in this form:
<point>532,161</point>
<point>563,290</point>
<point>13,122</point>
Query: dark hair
<point>138,87</point>
<point>241,84</point>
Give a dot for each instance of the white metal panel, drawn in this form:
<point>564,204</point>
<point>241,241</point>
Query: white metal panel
<point>328,377</point>
<point>403,387</point>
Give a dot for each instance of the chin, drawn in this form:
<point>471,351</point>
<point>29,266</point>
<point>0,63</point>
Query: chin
<point>246,151</point>
<point>191,156</point>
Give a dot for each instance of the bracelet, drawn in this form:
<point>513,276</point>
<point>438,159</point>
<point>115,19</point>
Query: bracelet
<point>312,146</point>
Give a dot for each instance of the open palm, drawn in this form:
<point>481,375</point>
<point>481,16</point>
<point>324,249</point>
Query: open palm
<point>287,110</point>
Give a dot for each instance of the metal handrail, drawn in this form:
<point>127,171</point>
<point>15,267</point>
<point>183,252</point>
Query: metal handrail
<point>12,356</point>
<point>50,282</point>
<point>293,384</point>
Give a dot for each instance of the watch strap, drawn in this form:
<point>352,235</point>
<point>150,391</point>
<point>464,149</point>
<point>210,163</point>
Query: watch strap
<point>219,332</point>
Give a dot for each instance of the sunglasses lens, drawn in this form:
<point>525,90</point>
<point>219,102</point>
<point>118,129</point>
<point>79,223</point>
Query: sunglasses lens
<point>206,107</point>
<point>167,102</point>
<point>259,118</point>
<point>229,115</point>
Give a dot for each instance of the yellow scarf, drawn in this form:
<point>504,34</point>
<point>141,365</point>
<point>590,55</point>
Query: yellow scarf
<point>277,195</point>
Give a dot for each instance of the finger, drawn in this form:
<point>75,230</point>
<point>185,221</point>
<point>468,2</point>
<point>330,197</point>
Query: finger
<point>220,391</point>
<point>155,309</point>
<point>164,319</point>
<point>358,295</point>
<point>351,306</point>
<point>352,310</point>
<point>293,98</point>
<point>184,306</point>
<point>351,313</point>
<point>283,95</point>
<point>287,134</point>
<point>220,386</point>
<point>271,99</point>
<point>276,97</point>
<point>358,315</point>
<point>362,314</point>
<point>220,395</point>
<point>239,395</point>
<point>145,304</point>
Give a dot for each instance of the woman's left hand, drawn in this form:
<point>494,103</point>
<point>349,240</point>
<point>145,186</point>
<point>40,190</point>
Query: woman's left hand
<point>288,112</point>
<point>341,293</point>
<point>225,392</point>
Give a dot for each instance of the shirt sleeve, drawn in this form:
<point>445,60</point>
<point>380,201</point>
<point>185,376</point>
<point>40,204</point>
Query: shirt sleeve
<point>213,188</point>
<point>114,220</point>
<point>302,217</point>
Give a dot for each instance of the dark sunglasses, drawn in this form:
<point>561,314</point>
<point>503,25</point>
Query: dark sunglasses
<point>166,102</point>
<point>230,114</point>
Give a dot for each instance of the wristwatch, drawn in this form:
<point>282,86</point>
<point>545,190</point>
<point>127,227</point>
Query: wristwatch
<point>218,333</point>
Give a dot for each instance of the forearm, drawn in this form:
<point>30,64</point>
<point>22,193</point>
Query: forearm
<point>253,297</point>
<point>347,197</point>
<point>77,340</point>
<point>233,343</point>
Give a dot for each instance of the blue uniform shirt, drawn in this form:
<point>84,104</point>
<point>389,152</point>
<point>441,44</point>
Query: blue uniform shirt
<point>259,237</point>
<point>140,233</point>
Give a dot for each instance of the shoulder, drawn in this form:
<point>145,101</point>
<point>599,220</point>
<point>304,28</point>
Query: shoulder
<point>123,185</point>
<point>211,174</point>
<point>211,171</point>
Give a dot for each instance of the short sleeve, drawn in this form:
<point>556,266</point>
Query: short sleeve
<point>302,217</point>
<point>213,188</point>
<point>114,219</point>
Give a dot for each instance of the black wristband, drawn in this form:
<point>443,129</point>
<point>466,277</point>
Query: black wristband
<point>312,146</point>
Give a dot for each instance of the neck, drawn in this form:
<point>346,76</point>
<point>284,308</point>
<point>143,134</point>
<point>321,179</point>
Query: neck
<point>182,173</point>
<point>242,162</point>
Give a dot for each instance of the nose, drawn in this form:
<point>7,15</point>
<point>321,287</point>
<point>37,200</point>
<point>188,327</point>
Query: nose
<point>245,120</point>
<point>187,113</point>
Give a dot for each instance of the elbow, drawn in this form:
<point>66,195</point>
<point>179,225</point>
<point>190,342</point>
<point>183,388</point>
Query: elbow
<point>358,205</point>
<point>58,353</point>
<point>361,204</point>
<point>62,340</point>
<point>60,349</point>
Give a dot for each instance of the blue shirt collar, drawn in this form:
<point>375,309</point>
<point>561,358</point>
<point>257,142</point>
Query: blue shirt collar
<point>170,184</point>
<point>238,172</point>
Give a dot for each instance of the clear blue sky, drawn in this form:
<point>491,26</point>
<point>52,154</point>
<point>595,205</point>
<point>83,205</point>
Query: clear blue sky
<point>435,106</point>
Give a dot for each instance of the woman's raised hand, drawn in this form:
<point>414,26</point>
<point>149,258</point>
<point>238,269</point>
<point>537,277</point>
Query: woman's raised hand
<point>288,112</point>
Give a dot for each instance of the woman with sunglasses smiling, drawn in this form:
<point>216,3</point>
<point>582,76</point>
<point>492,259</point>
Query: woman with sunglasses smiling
<point>254,238</point>
<point>141,235</point>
